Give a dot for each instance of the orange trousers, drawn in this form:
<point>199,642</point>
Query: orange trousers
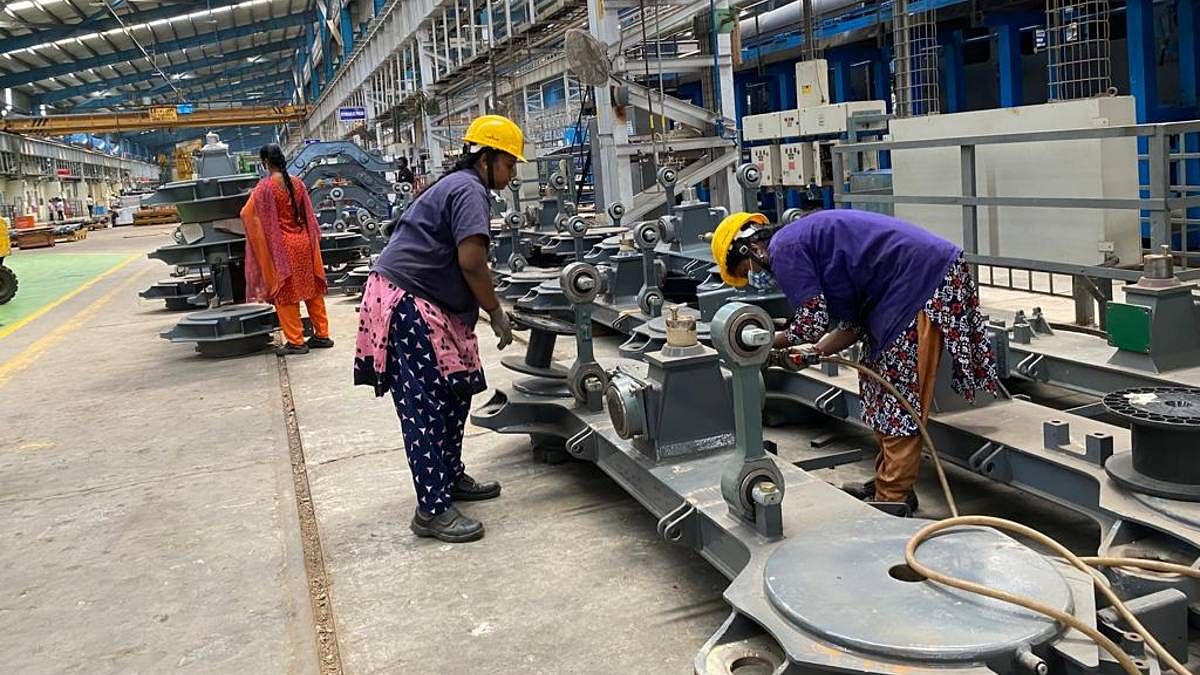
<point>900,456</point>
<point>293,327</point>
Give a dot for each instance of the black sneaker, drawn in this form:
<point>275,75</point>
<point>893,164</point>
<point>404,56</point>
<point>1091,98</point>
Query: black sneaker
<point>289,348</point>
<point>315,342</point>
<point>469,490</point>
<point>449,526</point>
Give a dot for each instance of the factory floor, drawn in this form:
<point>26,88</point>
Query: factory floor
<point>152,522</point>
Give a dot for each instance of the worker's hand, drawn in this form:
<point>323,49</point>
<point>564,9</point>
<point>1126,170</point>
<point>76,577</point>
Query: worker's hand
<point>501,326</point>
<point>795,358</point>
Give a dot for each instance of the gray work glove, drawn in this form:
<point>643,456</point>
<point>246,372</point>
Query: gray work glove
<point>501,326</point>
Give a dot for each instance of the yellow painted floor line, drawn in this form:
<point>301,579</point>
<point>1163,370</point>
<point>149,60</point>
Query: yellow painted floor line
<point>30,354</point>
<point>5,331</point>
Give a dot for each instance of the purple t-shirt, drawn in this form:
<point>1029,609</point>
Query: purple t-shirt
<point>422,255</point>
<point>874,270</point>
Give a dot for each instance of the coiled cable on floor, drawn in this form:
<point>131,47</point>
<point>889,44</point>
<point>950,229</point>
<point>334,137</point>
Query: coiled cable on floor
<point>1086,564</point>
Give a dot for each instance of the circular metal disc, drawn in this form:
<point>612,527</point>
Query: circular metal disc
<point>539,386</point>
<point>554,372</point>
<point>1120,467</point>
<point>839,587</point>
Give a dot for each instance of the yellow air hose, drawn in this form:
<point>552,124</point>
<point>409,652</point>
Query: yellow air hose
<point>1081,563</point>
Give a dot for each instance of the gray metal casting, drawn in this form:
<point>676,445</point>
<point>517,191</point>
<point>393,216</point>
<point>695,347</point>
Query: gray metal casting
<point>326,175</point>
<point>230,330</point>
<point>315,152</point>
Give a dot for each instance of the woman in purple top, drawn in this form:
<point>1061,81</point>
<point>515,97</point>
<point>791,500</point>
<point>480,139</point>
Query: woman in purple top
<point>905,293</point>
<point>416,333</point>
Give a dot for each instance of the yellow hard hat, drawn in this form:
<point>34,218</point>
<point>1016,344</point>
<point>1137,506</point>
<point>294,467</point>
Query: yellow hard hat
<point>498,132</point>
<point>722,241</point>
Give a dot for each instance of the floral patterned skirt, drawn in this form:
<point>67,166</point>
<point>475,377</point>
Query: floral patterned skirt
<point>954,309</point>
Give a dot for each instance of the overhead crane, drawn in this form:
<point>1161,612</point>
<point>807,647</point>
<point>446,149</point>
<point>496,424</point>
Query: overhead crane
<point>155,117</point>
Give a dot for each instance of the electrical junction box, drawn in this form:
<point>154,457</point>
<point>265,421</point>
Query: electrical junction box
<point>789,124</point>
<point>812,83</point>
<point>1129,327</point>
<point>766,158</point>
<point>796,164</point>
<point>764,127</point>
<point>835,118</point>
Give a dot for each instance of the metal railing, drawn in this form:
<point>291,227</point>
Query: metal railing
<point>1090,284</point>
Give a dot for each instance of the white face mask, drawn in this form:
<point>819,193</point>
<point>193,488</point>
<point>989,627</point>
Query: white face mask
<point>762,280</point>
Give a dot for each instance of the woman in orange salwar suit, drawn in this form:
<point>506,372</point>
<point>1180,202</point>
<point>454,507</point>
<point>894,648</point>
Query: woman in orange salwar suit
<point>283,253</point>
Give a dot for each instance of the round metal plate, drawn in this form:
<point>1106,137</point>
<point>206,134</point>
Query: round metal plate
<point>540,386</point>
<point>1120,467</point>
<point>839,587</point>
<point>517,364</point>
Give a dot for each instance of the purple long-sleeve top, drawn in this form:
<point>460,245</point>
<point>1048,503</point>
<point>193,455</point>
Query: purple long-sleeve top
<point>874,270</point>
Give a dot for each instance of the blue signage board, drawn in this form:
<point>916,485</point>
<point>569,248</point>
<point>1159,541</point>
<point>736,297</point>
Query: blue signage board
<point>185,108</point>
<point>352,114</point>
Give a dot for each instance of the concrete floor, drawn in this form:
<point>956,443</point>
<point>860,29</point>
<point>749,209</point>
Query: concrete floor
<point>151,524</point>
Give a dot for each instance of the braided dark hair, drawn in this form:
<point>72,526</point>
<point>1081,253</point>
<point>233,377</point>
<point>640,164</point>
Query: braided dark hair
<point>272,155</point>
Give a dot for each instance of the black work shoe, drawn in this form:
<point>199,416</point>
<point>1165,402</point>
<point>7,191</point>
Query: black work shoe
<point>860,490</point>
<point>449,526</point>
<point>866,492</point>
<point>315,342</point>
<point>289,348</point>
<point>469,490</point>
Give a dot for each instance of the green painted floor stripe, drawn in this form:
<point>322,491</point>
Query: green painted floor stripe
<point>45,278</point>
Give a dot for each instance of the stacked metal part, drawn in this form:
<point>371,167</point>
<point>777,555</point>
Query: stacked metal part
<point>208,240</point>
<point>208,252</point>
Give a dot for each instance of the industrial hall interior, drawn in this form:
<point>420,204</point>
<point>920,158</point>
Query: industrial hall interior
<point>613,337</point>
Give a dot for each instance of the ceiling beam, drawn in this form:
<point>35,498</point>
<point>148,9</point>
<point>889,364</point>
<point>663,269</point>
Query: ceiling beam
<point>142,76</point>
<point>107,123</point>
<point>98,23</point>
<point>36,74</point>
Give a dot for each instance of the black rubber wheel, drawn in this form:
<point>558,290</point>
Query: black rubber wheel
<point>8,284</point>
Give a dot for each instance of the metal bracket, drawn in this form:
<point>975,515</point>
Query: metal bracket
<point>833,403</point>
<point>1030,365</point>
<point>991,460</point>
<point>583,445</point>
<point>680,525</point>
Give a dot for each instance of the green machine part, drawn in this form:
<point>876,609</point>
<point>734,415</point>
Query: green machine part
<point>1129,327</point>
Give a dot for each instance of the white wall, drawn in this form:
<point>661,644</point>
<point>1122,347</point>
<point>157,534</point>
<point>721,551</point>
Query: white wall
<point>1105,168</point>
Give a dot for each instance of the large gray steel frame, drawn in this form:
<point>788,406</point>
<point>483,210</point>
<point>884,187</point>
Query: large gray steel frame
<point>805,589</point>
<point>685,494</point>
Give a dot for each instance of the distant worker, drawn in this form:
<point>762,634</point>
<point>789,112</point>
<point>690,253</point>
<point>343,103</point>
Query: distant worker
<point>422,299</point>
<point>905,293</point>
<point>403,173</point>
<point>91,206</point>
<point>283,254</point>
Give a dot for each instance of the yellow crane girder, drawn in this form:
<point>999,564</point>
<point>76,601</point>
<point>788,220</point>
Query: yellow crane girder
<point>156,117</point>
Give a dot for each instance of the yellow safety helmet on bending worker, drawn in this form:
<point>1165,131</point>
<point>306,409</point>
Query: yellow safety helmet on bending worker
<point>722,242</point>
<point>499,133</point>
